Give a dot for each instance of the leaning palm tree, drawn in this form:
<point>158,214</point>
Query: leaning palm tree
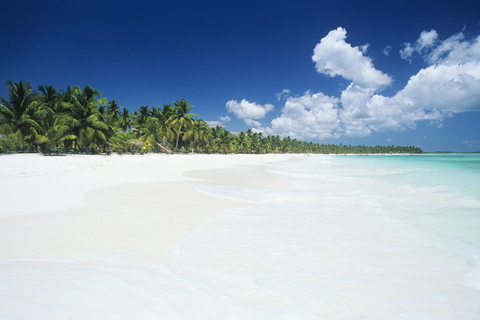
<point>19,114</point>
<point>181,117</point>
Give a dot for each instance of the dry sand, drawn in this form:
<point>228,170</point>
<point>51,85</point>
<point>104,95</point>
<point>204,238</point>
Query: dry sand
<point>71,207</point>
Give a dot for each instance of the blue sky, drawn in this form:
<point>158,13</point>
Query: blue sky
<point>351,72</point>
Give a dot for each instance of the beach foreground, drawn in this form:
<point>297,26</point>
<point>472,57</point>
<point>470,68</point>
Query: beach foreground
<point>80,206</point>
<point>240,237</point>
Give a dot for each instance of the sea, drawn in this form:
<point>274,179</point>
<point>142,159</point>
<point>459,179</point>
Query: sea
<point>356,237</point>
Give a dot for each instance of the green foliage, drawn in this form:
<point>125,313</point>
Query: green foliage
<point>77,120</point>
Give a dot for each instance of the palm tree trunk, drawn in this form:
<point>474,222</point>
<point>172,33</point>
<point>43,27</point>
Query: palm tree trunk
<point>178,136</point>
<point>193,145</point>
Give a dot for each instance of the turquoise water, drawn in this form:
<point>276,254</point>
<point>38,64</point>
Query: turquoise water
<point>453,178</point>
<point>457,172</point>
<point>359,237</point>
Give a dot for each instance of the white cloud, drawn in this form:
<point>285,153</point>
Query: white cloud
<point>311,116</point>
<point>456,50</point>
<point>407,52</point>
<point>285,92</point>
<point>386,50</point>
<point>213,123</point>
<point>424,43</point>
<point>440,90</point>
<point>225,119</point>
<point>335,57</point>
<point>426,40</point>
<point>446,87</point>
<point>248,110</point>
<point>449,84</point>
<point>252,123</point>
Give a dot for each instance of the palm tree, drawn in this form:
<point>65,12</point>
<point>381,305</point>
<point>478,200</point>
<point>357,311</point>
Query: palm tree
<point>243,142</point>
<point>86,123</point>
<point>181,117</point>
<point>198,130</point>
<point>226,141</point>
<point>163,116</point>
<point>19,114</point>
<point>214,138</point>
<point>123,140</point>
<point>140,117</point>
<point>125,121</point>
<point>113,111</point>
<point>49,118</point>
<point>151,133</point>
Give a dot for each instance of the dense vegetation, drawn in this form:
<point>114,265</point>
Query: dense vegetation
<point>76,120</point>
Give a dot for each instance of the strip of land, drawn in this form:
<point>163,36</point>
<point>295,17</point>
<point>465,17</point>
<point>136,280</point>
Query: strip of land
<point>81,206</point>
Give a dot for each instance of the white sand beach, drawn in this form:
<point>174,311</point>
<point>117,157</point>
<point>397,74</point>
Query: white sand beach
<point>238,237</point>
<point>76,206</point>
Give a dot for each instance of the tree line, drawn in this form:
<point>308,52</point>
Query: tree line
<point>81,120</point>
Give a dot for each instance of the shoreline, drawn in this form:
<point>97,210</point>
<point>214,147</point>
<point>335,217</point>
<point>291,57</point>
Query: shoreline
<point>82,206</point>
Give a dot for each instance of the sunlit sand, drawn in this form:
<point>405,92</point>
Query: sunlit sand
<point>79,206</point>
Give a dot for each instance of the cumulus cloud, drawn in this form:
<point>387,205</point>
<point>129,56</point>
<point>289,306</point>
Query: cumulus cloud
<point>248,110</point>
<point>446,87</point>
<point>449,84</point>
<point>312,116</point>
<point>335,57</point>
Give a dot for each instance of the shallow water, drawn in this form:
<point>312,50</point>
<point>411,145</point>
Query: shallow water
<point>377,237</point>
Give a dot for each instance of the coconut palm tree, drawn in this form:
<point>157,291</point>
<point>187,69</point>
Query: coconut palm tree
<point>86,124</point>
<point>124,141</point>
<point>198,131</point>
<point>140,117</point>
<point>163,116</point>
<point>226,141</point>
<point>243,142</point>
<point>125,121</point>
<point>113,111</point>
<point>181,117</point>
<point>19,114</point>
<point>151,133</point>
<point>48,116</point>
